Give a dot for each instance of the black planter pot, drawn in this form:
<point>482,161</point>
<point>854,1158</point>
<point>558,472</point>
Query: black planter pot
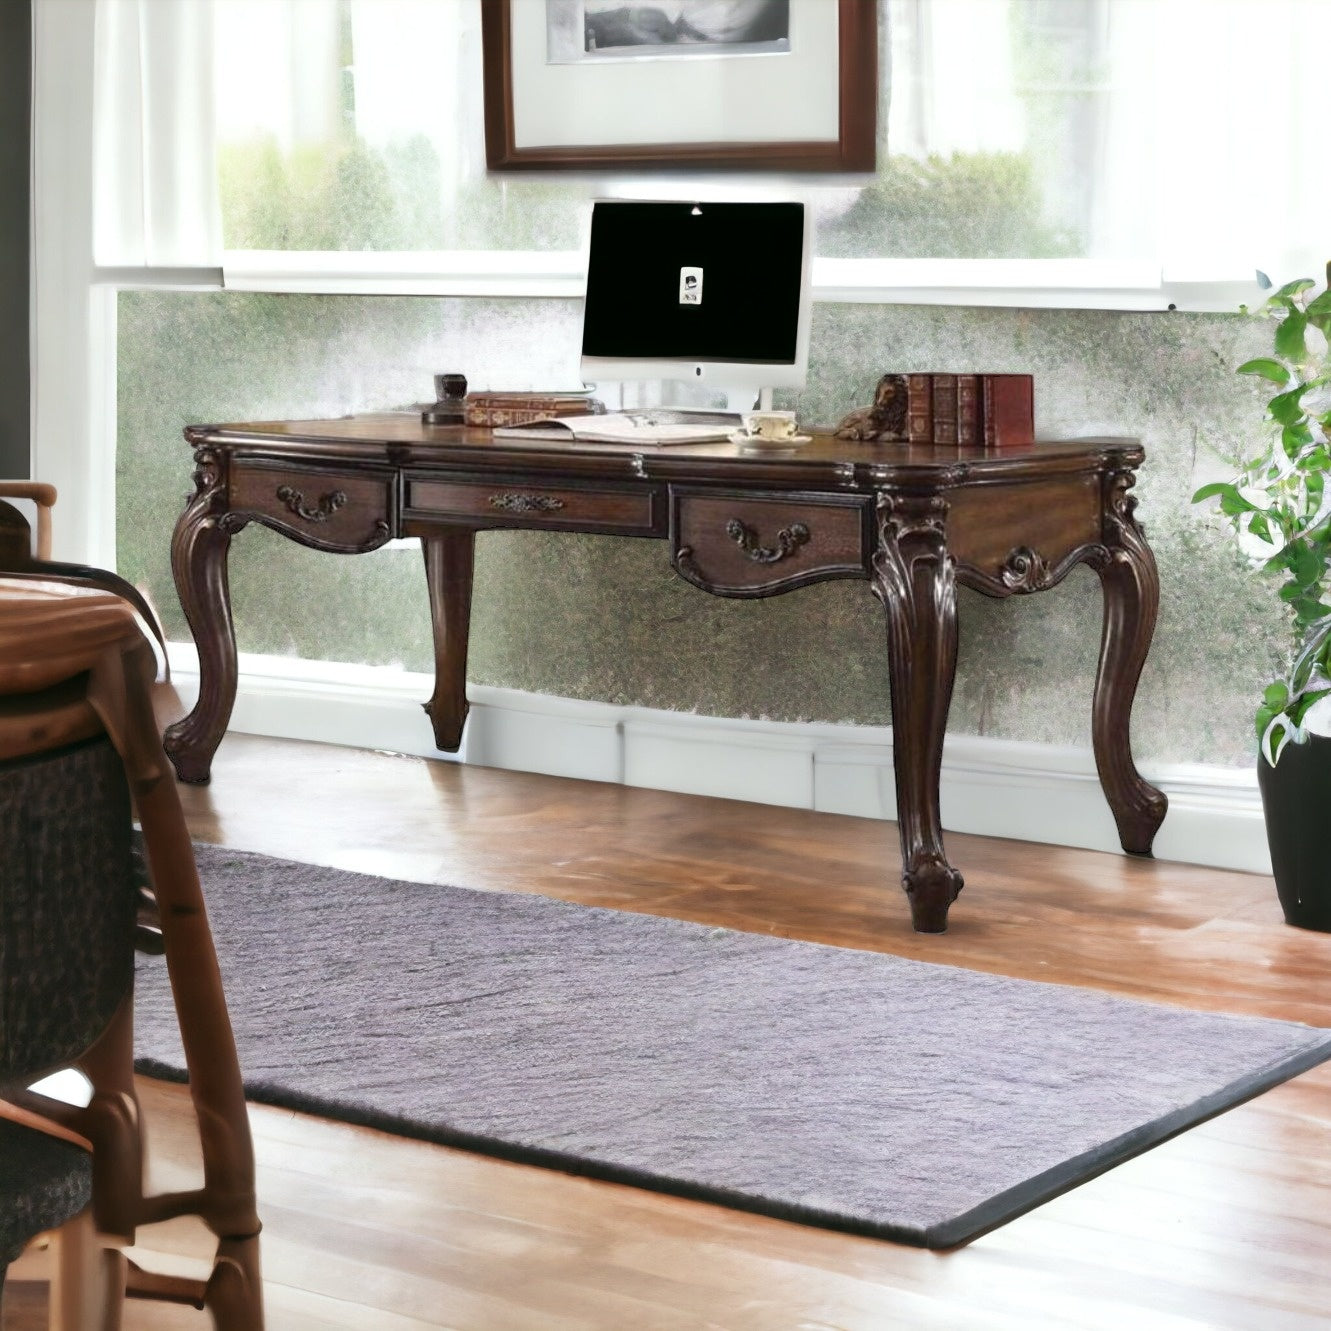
<point>1296,798</point>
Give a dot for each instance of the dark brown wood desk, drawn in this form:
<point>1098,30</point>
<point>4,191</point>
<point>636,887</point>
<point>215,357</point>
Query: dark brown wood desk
<point>911,521</point>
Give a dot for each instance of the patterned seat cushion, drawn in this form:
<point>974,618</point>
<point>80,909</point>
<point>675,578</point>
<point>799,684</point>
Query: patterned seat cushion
<point>43,1182</point>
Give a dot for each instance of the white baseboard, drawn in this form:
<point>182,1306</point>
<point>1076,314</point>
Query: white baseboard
<point>995,787</point>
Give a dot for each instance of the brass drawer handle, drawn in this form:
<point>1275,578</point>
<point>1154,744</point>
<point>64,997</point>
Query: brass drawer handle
<point>519,503</point>
<point>788,540</point>
<point>295,501</point>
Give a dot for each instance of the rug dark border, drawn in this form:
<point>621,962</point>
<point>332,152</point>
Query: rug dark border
<point>962,1229</point>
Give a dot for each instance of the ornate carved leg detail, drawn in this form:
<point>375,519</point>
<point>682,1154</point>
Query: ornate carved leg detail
<point>1132,595</point>
<point>198,562</point>
<point>449,559</point>
<point>914,577</point>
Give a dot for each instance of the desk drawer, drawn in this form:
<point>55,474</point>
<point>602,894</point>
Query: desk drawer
<point>326,507</point>
<point>496,502</point>
<point>737,544</point>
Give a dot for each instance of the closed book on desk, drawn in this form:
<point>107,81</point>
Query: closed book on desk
<point>945,408</point>
<point>1007,410</point>
<point>617,429</point>
<point>514,408</point>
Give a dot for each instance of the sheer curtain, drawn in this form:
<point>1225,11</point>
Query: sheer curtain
<point>1179,134</point>
<point>154,170</point>
<point>1190,133</point>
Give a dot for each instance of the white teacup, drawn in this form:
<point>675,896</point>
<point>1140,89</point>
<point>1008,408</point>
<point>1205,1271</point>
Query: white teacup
<point>774,425</point>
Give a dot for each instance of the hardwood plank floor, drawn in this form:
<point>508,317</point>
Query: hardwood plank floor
<point>1227,1226</point>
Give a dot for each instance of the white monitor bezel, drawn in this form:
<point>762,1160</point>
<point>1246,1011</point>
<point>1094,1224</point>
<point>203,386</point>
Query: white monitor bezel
<point>715,374</point>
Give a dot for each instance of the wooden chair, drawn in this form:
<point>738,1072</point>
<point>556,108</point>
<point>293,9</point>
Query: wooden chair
<point>23,551</point>
<point>78,745</point>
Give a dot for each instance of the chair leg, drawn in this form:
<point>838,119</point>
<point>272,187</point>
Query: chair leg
<point>88,1284</point>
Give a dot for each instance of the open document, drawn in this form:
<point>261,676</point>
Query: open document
<point>636,428</point>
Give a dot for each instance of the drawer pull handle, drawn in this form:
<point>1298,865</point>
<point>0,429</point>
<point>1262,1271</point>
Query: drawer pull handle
<point>788,540</point>
<point>328,504</point>
<point>520,503</point>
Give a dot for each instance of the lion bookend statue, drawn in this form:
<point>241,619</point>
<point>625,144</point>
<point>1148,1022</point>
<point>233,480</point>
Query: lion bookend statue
<point>886,420</point>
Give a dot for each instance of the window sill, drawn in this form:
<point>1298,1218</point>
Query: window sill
<point>1027,283</point>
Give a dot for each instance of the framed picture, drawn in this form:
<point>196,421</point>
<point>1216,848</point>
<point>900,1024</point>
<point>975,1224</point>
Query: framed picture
<point>774,85</point>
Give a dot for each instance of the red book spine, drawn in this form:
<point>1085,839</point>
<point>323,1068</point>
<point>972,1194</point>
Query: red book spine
<point>945,408</point>
<point>919,409</point>
<point>1007,410</point>
<point>968,409</point>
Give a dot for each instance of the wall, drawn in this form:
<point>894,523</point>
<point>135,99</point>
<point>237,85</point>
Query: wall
<point>15,139</point>
<point>602,618</point>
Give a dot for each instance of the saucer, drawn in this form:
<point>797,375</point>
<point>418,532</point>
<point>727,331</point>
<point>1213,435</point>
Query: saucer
<point>755,443</point>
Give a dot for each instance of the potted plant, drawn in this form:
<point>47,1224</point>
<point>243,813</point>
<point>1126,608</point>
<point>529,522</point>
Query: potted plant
<point>1279,506</point>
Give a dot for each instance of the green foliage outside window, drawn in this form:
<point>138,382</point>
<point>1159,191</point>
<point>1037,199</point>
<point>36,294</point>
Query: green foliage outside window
<point>964,206</point>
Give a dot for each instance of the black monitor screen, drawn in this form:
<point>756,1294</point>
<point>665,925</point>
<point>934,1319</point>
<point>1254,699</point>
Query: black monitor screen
<point>694,281</point>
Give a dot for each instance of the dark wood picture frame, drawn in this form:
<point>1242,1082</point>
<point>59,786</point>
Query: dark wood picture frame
<point>853,150</point>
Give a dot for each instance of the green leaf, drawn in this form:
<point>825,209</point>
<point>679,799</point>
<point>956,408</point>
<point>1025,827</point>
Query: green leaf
<point>1278,742</point>
<point>1305,565</point>
<point>1215,487</point>
<point>1267,368</point>
<point>1295,438</point>
<point>1286,407</point>
<point>1289,336</point>
<point>1291,591</point>
<point>1322,304</point>
<point>1293,288</point>
<point>1276,695</point>
<point>1265,715</point>
<point>1233,503</point>
<point>1259,526</point>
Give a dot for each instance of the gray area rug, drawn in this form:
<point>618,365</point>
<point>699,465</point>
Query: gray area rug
<point>853,1090</point>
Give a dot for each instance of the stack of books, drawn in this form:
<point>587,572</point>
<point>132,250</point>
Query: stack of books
<point>496,409</point>
<point>987,410</point>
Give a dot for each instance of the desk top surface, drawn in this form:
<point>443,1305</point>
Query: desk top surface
<point>400,438</point>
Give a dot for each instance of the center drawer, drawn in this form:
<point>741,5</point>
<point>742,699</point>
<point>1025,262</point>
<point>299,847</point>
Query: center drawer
<point>735,543</point>
<point>496,502</point>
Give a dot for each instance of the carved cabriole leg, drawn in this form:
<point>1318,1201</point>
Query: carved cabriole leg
<point>199,549</point>
<point>914,577</point>
<point>1132,596</point>
<point>449,559</point>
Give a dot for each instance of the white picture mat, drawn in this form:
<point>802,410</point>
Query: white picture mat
<point>777,98</point>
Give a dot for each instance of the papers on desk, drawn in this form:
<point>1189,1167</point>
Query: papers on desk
<point>638,428</point>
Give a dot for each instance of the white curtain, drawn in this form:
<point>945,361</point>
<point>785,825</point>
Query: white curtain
<point>1198,141</point>
<point>154,163</point>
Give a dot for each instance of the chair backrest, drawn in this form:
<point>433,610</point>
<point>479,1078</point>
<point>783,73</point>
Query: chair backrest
<point>67,905</point>
<point>17,546</point>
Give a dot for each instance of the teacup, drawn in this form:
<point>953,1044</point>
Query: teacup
<point>773,425</point>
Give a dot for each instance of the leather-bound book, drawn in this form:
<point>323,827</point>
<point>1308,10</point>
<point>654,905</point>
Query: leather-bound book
<point>519,408</point>
<point>1007,410</point>
<point>968,408</point>
<point>945,408</point>
<point>919,408</point>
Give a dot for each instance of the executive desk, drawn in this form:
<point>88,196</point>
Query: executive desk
<point>911,521</point>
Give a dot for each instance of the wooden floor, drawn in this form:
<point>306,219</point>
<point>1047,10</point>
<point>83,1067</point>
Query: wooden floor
<point>1226,1226</point>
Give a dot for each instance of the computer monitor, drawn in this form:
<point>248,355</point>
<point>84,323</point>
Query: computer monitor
<point>712,293</point>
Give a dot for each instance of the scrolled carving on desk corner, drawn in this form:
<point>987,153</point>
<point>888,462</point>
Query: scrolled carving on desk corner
<point>912,537</point>
<point>1122,536</point>
<point>295,502</point>
<point>511,502</point>
<point>1025,570</point>
<point>788,540</point>
<point>206,508</point>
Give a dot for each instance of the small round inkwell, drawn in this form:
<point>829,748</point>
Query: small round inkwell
<point>450,409</point>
